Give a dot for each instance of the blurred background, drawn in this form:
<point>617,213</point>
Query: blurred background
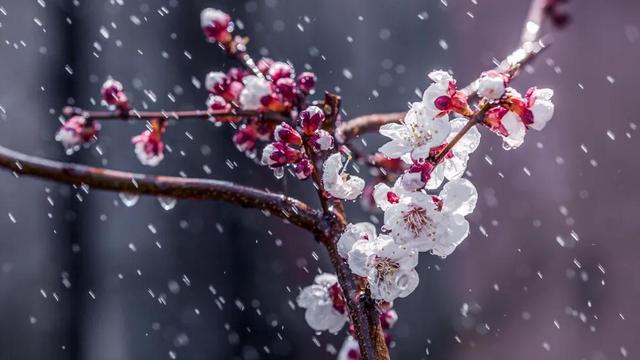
<point>551,269</point>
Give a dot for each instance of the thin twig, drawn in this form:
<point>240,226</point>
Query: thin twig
<point>372,122</point>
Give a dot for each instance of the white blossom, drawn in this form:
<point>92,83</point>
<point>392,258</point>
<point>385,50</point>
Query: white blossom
<point>338,183</point>
<point>255,89</point>
<point>416,135</point>
<point>515,128</point>
<point>426,223</point>
<point>541,107</point>
<point>389,267</point>
<point>491,85</point>
<point>385,197</point>
<point>323,312</point>
<point>353,233</point>
<point>440,87</point>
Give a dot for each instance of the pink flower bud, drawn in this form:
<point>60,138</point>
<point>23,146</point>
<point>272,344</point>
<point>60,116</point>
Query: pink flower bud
<point>264,64</point>
<point>280,70</point>
<point>304,168</point>
<point>287,88</point>
<point>149,148</point>
<point>442,103</point>
<point>217,103</point>
<point>278,154</point>
<point>245,138</point>
<point>310,119</point>
<point>423,168</point>
<point>321,140</point>
<point>236,74</point>
<point>75,132</point>
<point>288,135</point>
<point>216,25</point>
<point>113,94</point>
<point>110,91</point>
<point>307,81</point>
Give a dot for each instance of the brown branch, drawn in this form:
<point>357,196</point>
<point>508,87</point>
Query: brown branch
<point>473,121</point>
<point>290,209</point>
<point>176,115</point>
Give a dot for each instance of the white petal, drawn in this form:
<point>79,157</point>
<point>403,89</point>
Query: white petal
<point>354,233</point>
<point>255,89</point>
<point>437,177</point>
<point>459,197</point>
<point>516,130</point>
<point>326,279</point>
<point>491,87</point>
<point>359,256</point>
<point>324,317</point>
<point>393,131</point>
<point>452,233</point>
<point>455,167</point>
<point>380,196</point>
<point>412,181</point>
<point>395,149</point>
<point>440,76</point>
<point>542,112</point>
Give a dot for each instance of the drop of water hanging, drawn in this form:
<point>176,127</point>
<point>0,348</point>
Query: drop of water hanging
<point>167,203</point>
<point>129,199</point>
<point>402,281</point>
<point>278,172</point>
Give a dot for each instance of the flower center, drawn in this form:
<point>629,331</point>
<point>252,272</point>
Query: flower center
<point>418,222</point>
<point>385,268</point>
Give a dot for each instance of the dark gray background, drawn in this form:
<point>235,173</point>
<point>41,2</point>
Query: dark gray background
<point>517,280</point>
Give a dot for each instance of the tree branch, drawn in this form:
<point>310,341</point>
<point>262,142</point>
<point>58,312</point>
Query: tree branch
<point>290,209</point>
<point>176,115</point>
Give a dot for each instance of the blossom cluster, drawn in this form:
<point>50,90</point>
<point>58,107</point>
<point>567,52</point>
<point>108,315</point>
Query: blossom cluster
<point>296,145</point>
<point>425,209</point>
<point>79,130</point>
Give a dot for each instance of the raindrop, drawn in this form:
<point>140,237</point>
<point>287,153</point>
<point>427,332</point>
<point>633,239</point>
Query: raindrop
<point>278,172</point>
<point>129,199</point>
<point>167,203</point>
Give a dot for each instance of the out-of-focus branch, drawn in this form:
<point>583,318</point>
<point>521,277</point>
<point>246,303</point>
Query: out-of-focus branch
<point>290,209</point>
<point>175,115</point>
<point>530,47</point>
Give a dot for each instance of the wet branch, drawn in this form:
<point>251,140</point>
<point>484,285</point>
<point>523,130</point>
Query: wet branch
<point>173,115</point>
<point>292,210</point>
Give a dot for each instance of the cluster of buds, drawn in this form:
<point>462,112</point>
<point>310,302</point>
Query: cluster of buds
<point>289,147</point>
<point>277,90</point>
<point>113,95</point>
<point>149,147</point>
<point>216,25</point>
